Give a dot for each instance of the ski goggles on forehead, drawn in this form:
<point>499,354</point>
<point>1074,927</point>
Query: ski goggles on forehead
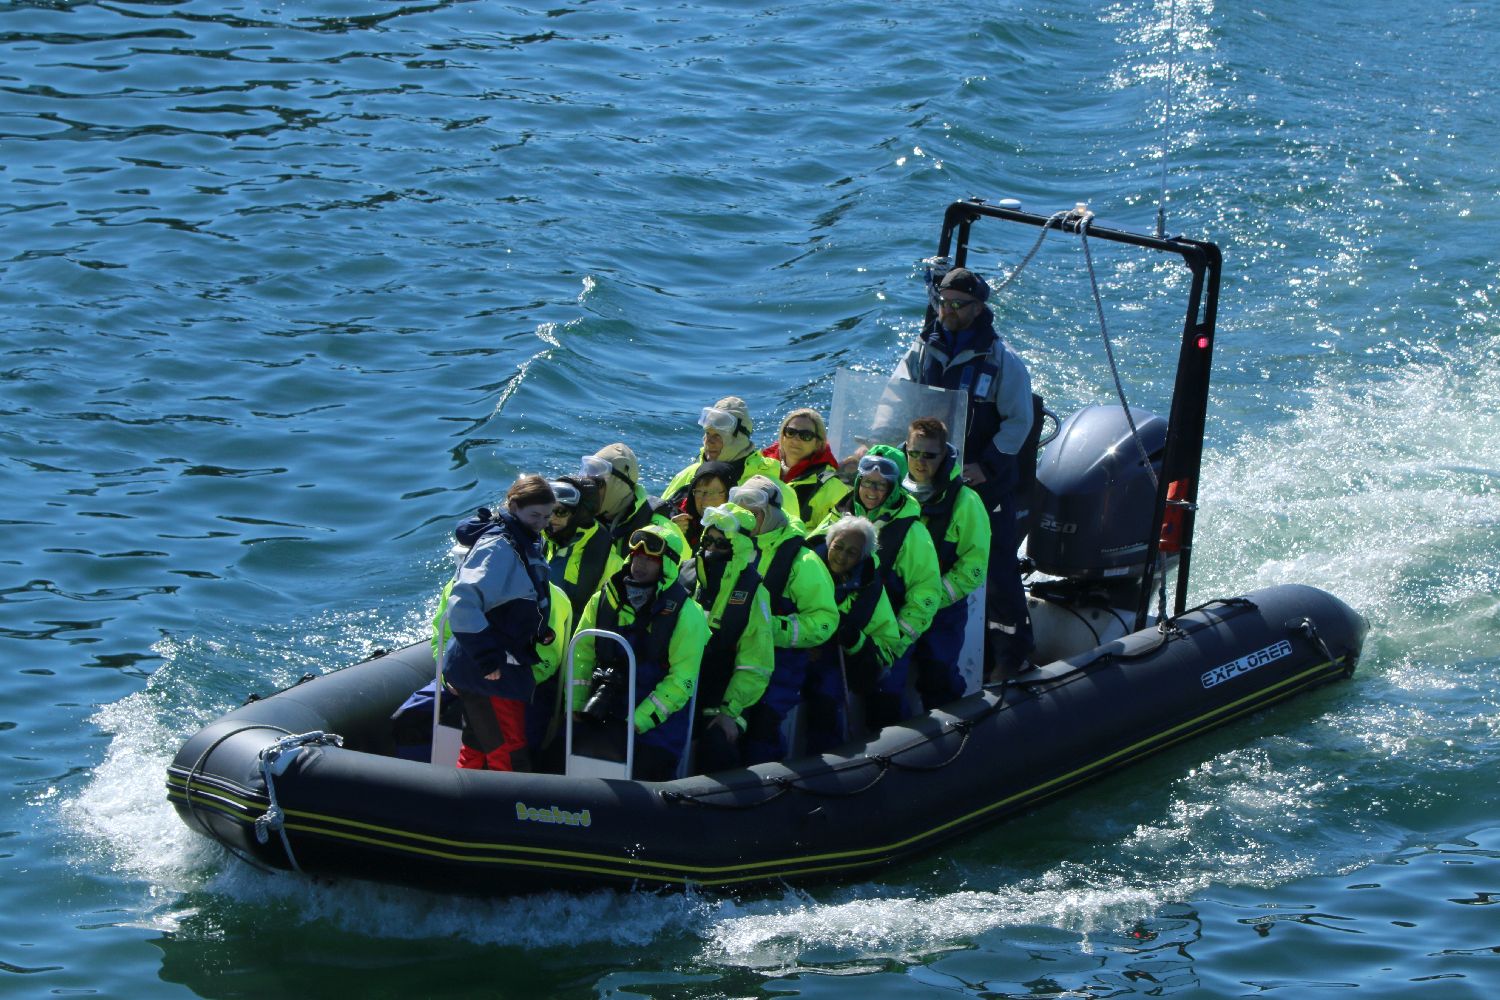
<point>753,496</point>
<point>567,494</point>
<point>718,517</point>
<point>594,467</point>
<point>649,542</point>
<point>879,466</point>
<point>722,422</point>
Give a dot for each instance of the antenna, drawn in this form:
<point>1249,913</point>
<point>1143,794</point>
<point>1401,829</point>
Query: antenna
<point>1166,127</point>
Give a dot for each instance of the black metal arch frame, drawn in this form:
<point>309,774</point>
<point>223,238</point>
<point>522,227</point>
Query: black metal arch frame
<point>1183,456</point>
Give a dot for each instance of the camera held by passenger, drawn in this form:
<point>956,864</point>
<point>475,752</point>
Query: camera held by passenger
<point>607,701</point>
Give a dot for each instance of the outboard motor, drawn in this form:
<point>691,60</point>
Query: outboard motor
<point>1090,526</point>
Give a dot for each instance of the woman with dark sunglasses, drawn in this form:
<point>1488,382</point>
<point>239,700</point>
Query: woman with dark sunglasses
<point>808,465</point>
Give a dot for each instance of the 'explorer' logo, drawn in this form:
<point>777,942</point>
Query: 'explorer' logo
<point>1245,664</point>
<point>552,814</point>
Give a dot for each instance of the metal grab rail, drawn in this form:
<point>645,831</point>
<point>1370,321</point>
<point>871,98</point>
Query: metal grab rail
<point>630,700</point>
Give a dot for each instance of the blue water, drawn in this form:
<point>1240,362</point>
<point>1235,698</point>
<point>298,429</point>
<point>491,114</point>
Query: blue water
<point>286,289</point>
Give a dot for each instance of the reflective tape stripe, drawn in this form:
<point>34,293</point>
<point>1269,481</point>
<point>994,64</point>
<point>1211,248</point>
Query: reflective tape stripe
<point>907,628</point>
<point>659,707</point>
<point>948,586</point>
<point>796,628</point>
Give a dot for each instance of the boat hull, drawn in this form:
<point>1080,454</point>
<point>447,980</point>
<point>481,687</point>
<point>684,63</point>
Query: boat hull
<point>352,811</point>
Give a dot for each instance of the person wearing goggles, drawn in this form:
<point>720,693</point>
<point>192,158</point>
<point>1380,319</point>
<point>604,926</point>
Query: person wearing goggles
<point>807,465</point>
<point>862,646</point>
<point>803,614</point>
<point>959,349</point>
<point>726,438</point>
<point>576,547</point>
<point>496,614</point>
<point>960,529</point>
<point>740,658</point>
<point>647,602</point>
<point>909,561</point>
<point>624,505</point>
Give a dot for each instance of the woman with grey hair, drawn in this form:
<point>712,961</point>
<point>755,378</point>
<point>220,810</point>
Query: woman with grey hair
<point>862,646</point>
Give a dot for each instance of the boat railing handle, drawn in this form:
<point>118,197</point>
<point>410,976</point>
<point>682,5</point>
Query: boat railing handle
<point>1047,436</point>
<point>600,633</point>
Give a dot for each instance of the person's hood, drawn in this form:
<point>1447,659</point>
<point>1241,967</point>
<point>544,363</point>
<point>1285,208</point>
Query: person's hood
<point>897,496</point>
<point>741,546</point>
<point>738,444</point>
<point>467,532</point>
<point>771,516</point>
<point>622,490</point>
<point>671,563</point>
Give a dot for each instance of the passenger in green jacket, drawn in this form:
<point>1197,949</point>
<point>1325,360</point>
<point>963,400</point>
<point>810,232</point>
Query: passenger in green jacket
<point>908,560</point>
<point>574,544</point>
<point>726,438</point>
<point>956,518</point>
<point>624,507</point>
<point>861,650</point>
<point>803,613</point>
<point>647,603</point>
<point>808,465</point>
<point>740,657</point>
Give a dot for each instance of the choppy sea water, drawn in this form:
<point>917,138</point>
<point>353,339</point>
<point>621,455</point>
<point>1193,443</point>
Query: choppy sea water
<point>286,289</point>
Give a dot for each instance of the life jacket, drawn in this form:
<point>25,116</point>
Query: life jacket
<point>724,633</point>
<point>890,534</point>
<point>649,633</point>
<point>779,574</point>
<point>578,566</point>
<point>937,512</point>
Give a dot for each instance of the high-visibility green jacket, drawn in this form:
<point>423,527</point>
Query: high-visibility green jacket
<point>751,659</point>
<point>756,464</point>
<point>960,528</point>
<point>678,676</point>
<point>912,577</point>
<point>803,614</point>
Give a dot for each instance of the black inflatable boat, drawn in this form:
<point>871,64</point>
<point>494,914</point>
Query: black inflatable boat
<point>308,778</point>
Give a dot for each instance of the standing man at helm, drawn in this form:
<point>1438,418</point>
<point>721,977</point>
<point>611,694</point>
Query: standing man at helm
<point>726,438</point>
<point>961,350</point>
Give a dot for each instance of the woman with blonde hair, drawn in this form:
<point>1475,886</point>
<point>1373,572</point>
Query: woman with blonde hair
<point>808,465</point>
